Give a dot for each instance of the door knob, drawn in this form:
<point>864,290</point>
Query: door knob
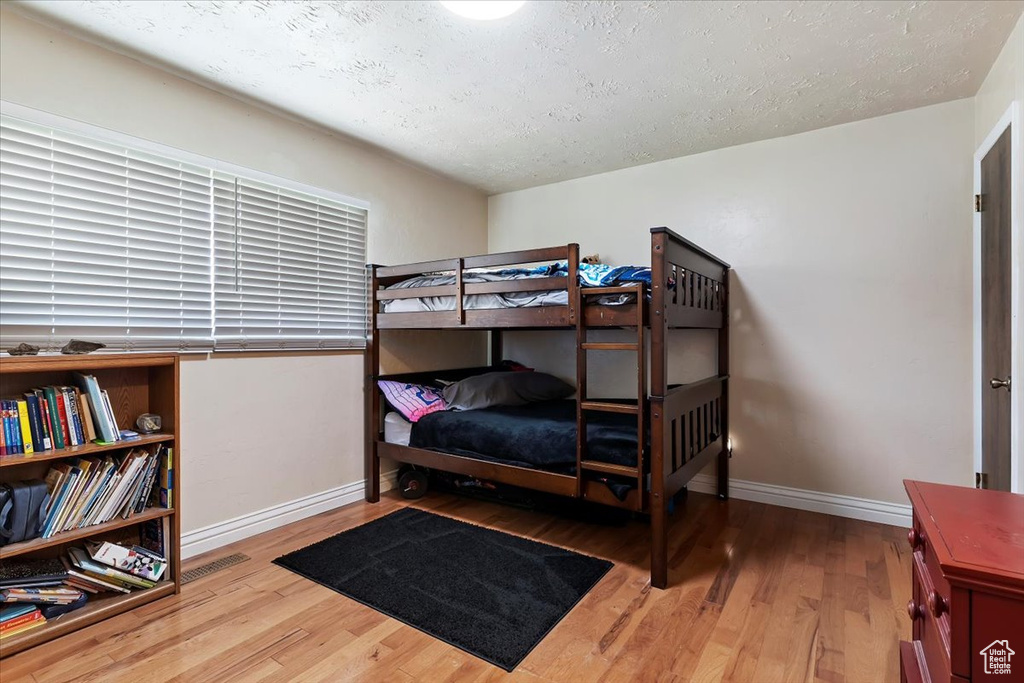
<point>1000,383</point>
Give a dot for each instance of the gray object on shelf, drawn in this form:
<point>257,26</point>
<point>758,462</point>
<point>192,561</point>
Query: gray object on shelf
<point>148,423</point>
<point>77,347</point>
<point>23,349</point>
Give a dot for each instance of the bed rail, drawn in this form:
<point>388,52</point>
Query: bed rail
<point>695,294</point>
<point>547,316</point>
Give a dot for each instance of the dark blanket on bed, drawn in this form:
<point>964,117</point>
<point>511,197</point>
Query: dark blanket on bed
<point>537,435</point>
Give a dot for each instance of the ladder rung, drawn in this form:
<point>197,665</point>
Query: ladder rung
<point>628,408</point>
<point>610,346</point>
<point>608,468</point>
<point>605,291</point>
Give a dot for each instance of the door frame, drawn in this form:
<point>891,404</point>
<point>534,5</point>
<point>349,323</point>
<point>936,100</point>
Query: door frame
<point>1012,116</point>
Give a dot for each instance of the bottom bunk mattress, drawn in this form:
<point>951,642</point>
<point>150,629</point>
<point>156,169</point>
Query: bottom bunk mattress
<point>537,435</point>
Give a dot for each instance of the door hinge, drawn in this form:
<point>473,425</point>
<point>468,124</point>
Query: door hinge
<point>977,203</point>
<point>980,480</point>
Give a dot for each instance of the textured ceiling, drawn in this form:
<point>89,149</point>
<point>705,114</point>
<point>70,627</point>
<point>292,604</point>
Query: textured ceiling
<point>560,90</point>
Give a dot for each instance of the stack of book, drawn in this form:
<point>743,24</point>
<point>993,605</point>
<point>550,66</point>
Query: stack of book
<point>18,618</point>
<point>89,491</point>
<point>34,590</point>
<point>95,573</point>
<point>56,417</point>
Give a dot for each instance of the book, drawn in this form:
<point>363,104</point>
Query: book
<point>32,614</point>
<point>83,581</point>
<point>103,475</point>
<point>12,427</point>
<point>86,414</point>
<point>16,572</point>
<point>44,413</point>
<point>73,417</point>
<point>110,415</point>
<point>141,564</point>
<point>36,619</point>
<point>3,430</point>
<point>151,536</point>
<point>67,417</point>
<point>55,596</point>
<point>76,481</point>
<point>58,430</point>
<point>23,619</point>
<point>91,388</point>
<point>25,428</point>
<point>85,564</point>
<point>67,480</point>
<point>40,438</point>
<point>166,495</point>
<point>8,612</point>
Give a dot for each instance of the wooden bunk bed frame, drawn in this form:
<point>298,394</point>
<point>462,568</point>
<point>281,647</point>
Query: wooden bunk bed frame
<point>689,424</point>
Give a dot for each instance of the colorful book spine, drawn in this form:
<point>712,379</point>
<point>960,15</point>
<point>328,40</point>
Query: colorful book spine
<point>86,414</point>
<point>37,619</point>
<point>89,385</point>
<point>44,418</point>
<point>39,437</point>
<point>75,417</point>
<point>25,428</point>
<point>54,410</point>
<point>167,479</point>
<point>65,418</point>
<point>12,428</point>
<point>3,430</point>
<point>13,624</point>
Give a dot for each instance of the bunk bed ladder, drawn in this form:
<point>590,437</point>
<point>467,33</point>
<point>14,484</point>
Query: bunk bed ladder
<point>585,405</point>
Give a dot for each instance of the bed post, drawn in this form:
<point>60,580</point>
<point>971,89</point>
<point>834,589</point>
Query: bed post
<point>723,371</point>
<point>496,347</point>
<point>371,359</point>
<point>659,385</point>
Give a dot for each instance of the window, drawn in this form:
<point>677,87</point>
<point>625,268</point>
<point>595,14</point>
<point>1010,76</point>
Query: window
<point>288,268</point>
<point>148,248</point>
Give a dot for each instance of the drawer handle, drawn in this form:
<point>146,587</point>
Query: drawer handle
<point>937,604</point>
<point>915,538</point>
<point>914,610</point>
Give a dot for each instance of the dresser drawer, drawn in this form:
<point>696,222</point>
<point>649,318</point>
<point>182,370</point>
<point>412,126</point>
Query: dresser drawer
<point>931,631</point>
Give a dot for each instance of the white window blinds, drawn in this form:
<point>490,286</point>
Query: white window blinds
<point>100,242</point>
<point>143,251</point>
<point>289,268</point>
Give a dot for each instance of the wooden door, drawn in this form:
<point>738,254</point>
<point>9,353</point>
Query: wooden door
<point>995,314</point>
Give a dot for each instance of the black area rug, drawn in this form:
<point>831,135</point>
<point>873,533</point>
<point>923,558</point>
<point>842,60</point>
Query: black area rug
<point>489,593</point>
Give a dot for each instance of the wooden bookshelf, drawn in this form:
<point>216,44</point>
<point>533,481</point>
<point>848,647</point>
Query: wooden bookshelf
<point>83,451</point>
<point>136,383</point>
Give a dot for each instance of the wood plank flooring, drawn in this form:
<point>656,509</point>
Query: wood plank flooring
<point>759,593</point>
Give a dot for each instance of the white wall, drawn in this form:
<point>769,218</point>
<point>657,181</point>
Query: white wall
<point>851,294</point>
<point>257,431</point>
<point>1003,85</point>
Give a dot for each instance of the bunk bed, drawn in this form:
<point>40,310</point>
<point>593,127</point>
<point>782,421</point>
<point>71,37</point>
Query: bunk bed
<point>678,429</point>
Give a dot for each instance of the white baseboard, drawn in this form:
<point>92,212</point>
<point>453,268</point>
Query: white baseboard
<point>812,501</point>
<point>216,535</point>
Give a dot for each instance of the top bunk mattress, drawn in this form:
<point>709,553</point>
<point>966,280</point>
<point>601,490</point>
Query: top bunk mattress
<point>590,275</point>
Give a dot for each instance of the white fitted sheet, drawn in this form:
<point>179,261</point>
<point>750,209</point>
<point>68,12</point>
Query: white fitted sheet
<point>397,429</point>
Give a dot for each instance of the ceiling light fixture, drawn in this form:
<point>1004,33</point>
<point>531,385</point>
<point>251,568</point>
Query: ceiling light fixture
<point>483,10</point>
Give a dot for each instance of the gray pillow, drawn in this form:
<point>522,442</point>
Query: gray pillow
<point>505,389</point>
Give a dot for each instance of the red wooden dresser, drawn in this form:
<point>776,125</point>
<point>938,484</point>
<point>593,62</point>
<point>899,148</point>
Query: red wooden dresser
<point>967,609</point>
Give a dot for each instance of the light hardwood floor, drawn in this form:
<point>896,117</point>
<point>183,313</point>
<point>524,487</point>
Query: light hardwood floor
<point>758,593</point>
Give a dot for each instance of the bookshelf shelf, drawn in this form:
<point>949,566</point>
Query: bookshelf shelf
<point>82,451</point>
<point>16,549</point>
<point>100,607</point>
<point>135,384</point>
